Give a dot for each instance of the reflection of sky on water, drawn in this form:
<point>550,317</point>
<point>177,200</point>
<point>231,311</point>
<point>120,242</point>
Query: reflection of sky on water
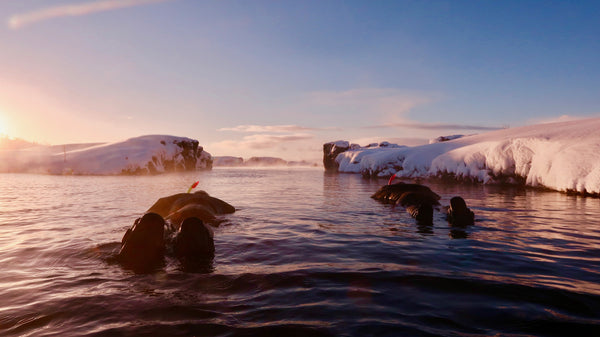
<point>317,240</point>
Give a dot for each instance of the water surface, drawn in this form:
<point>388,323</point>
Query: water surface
<point>306,253</point>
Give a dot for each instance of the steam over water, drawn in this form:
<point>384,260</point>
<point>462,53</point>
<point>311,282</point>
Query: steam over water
<point>306,254</point>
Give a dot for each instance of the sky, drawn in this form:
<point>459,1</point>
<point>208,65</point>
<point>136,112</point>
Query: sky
<point>280,78</point>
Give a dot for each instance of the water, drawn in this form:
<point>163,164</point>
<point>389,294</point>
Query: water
<point>306,254</point>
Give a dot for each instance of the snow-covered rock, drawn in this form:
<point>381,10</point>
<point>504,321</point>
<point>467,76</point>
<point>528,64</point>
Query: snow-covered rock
<point>141,155</point>
<point>444,138</point>
<point>561,156</point>
<point>331,151</point>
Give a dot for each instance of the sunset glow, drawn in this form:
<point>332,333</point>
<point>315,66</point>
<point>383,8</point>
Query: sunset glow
<point>299,168</point>
<point>3,125</point>
<point>265,78</point>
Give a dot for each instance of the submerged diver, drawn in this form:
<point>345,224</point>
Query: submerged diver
<point>458,214</point>
<point>420,201</point>
<point>145,244</point>
<point>174,224</point>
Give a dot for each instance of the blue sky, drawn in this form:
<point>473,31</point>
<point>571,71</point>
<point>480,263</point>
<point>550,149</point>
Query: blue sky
<point>279,78</point>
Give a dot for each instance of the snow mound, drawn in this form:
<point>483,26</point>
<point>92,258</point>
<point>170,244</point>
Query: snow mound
<point>141,155</point>
<point>561,156</point>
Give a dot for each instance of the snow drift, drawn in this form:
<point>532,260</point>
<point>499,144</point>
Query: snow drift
<point>561,156</point>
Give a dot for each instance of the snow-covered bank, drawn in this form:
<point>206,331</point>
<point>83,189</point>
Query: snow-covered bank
<point>141,155</point>
<point>561,156</point>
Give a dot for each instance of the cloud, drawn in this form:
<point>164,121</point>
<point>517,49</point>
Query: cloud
<point>267,138</point>
<point>563,118</point>
<point>265,141</point>
<point>268,128</point>
<point>288,147</point>
<point>259,142</point>
<point>388,101</point>
<point>20,20</point>
<point>434,126</point>
<point>275,128</point>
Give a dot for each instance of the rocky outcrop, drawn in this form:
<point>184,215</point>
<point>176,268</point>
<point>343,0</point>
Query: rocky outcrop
<point>191,152</point>
<point>189,157</point>
<point>331,151</point>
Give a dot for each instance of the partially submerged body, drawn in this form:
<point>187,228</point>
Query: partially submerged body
<point>420,202</point>
<point>143,245</point>
<point>178,207</point>
<point>177,224</point>
<point>391,194</point>
<point>458,214</point>
<point>419,205</point>
<point>193,239</point>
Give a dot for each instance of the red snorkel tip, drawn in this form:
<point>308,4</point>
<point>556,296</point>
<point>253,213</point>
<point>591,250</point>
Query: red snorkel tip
<point>193,186</point>
<point>392,179</point>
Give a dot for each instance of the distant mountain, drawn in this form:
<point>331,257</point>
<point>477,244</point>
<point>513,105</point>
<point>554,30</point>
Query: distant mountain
<point>8,143</point>
<point>228,161</point>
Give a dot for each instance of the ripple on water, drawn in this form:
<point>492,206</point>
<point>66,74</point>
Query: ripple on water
<point>305,254</point>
